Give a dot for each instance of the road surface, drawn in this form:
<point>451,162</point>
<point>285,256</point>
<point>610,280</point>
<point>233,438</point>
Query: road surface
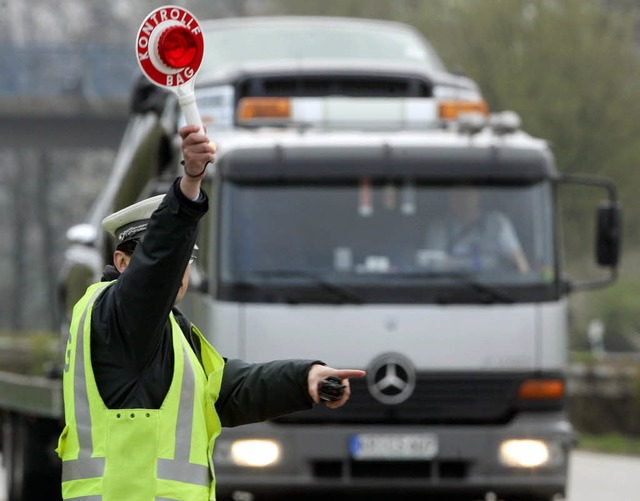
<point>602,477</point>
<point>593,477</point>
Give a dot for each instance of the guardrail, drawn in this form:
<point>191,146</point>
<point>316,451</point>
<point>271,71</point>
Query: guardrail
<point>602,380</point>
<point>604,396</point>
<point>31,394</point>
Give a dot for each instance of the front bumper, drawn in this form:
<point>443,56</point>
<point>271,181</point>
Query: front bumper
<point>316,460</point>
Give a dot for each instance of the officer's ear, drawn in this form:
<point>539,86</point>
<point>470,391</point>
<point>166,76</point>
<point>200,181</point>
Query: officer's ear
<point>121,260</point>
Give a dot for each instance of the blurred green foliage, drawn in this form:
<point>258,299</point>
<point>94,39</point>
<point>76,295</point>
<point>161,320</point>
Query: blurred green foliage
<point>611,443</point>
<point>34,353</point>
<point>617,308</point>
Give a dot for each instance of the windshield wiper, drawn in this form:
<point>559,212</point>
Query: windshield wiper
<point>491,294</point>
<point>494,294</point>
<point>337,291</point>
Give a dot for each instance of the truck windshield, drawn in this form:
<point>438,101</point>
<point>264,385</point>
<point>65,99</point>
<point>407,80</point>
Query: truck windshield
<point>233,45</point>
<point>389,234</point>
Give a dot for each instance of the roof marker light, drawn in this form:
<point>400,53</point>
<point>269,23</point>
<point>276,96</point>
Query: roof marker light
<point>505,122</point>
<point>177,47</point>
<point>450,110</point>
<point>269,108</point>
<point>471,122</point>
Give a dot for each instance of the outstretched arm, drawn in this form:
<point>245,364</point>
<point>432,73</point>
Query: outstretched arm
<point>145,292</point>
<point>198,152</point>
<point>256,392</point>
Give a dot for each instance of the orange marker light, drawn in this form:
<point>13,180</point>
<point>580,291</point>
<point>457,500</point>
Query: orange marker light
<point>449,110</point>
<point>541,389</point>
<point>255,108</point>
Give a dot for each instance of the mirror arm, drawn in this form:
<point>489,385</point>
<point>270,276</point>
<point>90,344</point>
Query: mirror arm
<point>612,191</point>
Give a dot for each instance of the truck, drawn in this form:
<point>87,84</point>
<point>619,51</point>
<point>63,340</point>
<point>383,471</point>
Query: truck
<point>342,142</point>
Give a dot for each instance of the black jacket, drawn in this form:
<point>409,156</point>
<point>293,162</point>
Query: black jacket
<point>131,349</point>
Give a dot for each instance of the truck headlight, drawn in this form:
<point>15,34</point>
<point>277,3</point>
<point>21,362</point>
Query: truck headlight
<point>525,453</point>
<point>255,452</point>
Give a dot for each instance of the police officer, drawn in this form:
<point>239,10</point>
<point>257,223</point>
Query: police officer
<point>145,394</point>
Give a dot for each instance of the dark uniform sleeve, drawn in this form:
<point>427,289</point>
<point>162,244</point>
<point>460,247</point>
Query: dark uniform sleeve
<point>256,392</point>
<point>145,292</point>
<point>132,357</point>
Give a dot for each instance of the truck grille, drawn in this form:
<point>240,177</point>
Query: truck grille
<point>434,470</point>
<point>437,399</point>
<point>338,85</point>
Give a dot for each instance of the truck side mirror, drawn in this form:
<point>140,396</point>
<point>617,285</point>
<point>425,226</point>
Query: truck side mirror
<point>608,231</point>
<point>609,234</point>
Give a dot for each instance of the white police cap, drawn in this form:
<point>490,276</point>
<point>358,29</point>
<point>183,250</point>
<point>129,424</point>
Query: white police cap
<point>129,223</point>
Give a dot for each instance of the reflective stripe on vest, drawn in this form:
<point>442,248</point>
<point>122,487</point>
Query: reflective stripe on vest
<point>180,468</point>
<point>86,467</point>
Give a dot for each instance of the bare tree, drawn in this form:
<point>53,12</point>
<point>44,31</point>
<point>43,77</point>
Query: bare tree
<point>47,251</point>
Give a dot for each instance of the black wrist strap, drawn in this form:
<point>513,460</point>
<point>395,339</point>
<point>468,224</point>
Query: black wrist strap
<point>194,176</point>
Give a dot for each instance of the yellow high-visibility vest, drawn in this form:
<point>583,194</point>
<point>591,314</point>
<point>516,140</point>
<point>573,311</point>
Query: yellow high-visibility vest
<point>139,454</point>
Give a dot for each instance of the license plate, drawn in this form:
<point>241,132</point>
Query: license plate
<point>394,446</point>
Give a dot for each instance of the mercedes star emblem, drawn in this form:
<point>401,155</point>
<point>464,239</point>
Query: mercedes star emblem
<point>391,378</point>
